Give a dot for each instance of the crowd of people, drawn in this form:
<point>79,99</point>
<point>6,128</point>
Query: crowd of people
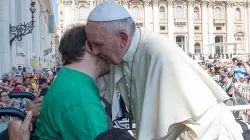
<point>228,72</point>
<point>19,80</point>
<point>152,74</point>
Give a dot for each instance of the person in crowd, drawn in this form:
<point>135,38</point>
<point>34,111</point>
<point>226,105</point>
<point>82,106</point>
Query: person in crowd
<point>20,71</point>
<point>71,109</point>
<point>239,69</point>
<point>43,85</point>
<point>5,101</point>
<point>214,74</point>
<point>14,71</point>
<point>153,75</point>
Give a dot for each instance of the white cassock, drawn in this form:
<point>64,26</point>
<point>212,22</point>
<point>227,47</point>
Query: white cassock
<point>171,96</point>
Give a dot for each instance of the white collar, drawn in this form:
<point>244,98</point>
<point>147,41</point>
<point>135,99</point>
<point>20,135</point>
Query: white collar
<point>128,57</point>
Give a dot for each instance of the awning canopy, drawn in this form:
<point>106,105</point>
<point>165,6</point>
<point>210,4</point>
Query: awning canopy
<point>221,44</point>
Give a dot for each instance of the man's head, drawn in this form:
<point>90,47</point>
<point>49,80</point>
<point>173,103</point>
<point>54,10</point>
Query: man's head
<point>20,68</point>
<point>72,44</point>
<point>109,30</point>
<point>240,61</point>
<point>73,50</point>
<point>13,68</point>
<point>42,83</point>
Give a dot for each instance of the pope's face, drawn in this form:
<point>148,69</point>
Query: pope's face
<point>106,44</point>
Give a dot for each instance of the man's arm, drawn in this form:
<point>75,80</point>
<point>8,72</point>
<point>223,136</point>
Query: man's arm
<point>83,122</point>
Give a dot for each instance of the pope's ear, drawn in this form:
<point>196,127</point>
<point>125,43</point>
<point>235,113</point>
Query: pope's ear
<point>88,47</point>
<point>123,38</point>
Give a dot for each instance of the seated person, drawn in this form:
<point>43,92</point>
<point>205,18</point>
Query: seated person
<point>72,110</point>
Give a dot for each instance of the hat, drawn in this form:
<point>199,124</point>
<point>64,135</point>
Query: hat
<point>108,11</point>
<point>17,84</point>
<point>224,74</point>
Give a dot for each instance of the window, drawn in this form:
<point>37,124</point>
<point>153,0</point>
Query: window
<point>83,12</point>
<point>135,12</point>
<point>162,13</point>
<point>197,48</point>
<point>218,39</point>
<point>196,28</point>
<point>239,47</point>
<point>238,14</point>
<point>218,28</point>
<point>178,12</point>
<point>218,49</point>
<point>196,13</point>
<point>217,13</point>
<point>162,27</point>
<point>180,41</point>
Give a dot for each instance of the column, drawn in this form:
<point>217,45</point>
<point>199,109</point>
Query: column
<point>125,5</point>
<point>37,35</point>
<point>204,28</point>
<point>170,20</point>
<point>210,27</point>
<point>4,37</point>
<point>66,14</point>
<point>92,5</point>
<point>25,39</point>
<point>190,26</point>
<point>12,19</point>
<point>156,16</point>
<point>230,25</point>
<point>146,15</point>
<point>72,12</point>
<point>248,19</point>
<point>246,24</point>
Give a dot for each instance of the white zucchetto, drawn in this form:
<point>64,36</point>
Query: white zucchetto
<point>108,11</point>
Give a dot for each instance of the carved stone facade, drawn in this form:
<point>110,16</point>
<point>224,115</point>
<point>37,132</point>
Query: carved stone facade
<point>193,24</point>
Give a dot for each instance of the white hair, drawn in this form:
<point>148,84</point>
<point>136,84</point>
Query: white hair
<point>117,26</point>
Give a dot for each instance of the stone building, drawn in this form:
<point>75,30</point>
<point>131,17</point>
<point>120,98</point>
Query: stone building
<point>32,49</point>
<point>192,24</point>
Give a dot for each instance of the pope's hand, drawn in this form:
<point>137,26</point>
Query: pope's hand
<point>20,130</point>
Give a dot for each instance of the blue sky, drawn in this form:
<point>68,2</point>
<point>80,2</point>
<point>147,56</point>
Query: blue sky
<point>55,11</point>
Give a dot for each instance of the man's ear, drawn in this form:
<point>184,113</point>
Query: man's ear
<point>124,39</point>
<point>88,47</point>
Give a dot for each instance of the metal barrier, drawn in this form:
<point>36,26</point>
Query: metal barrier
<point>239,107</point>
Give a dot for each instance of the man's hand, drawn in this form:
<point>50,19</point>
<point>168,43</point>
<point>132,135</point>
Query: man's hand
<point>20,130</point>
<point>35,106</point>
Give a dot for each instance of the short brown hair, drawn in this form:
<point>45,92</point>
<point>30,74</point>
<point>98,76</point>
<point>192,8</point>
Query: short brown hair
<point>72,44</point>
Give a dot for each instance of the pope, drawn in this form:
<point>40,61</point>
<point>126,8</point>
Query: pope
<point>169,95</point>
